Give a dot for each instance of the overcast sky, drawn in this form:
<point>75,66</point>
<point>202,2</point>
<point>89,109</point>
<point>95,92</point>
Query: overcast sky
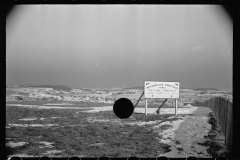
<point>119,45</point>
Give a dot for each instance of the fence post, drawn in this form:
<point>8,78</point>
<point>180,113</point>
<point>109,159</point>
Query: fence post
<point>215,104</point>
<point>219,108</point>
<point>212,103</point>
<point>226,105</point>
<point>226,110</point>
<point>223,122</point>
<point>231,120</point>
<point>220,114</point>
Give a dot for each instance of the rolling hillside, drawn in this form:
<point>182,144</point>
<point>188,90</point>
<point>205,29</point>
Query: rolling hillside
<point>56,87</point>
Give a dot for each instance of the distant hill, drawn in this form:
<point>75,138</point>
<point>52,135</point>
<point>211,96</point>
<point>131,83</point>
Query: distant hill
<point>204,89</point>
<point>184,88</point>
<point>141,88</point>
<point>85,89</point>
<point>56,87</point>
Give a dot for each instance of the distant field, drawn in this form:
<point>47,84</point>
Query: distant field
<point>56,87</point>
<point>8,92</point>
<point>140,88</point>
<point>204,89</point>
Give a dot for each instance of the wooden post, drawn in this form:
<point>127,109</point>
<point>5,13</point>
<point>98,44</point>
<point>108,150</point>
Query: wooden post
<point>145,106</point>
<point>138,100</point>
<point>175,107</point>
<point>226,120</point>
<point>161,106</point>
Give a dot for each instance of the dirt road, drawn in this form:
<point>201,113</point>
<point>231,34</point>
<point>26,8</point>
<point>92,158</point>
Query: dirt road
<point>189,133</point>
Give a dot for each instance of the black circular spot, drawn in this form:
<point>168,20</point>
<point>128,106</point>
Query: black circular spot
<point>162,158</point>
<point>192,158</point>
<point>44,158</point>
<point>123,108</point>
<point>133,158</point>
<point>74,158</point>
<point>103,158</point>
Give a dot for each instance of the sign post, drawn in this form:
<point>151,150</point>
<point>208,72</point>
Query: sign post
<point>145,106</point>
<point>175,107</point>
<point>139,100</point>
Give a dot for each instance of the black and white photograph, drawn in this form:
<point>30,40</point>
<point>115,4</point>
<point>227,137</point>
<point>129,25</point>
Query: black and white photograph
<point>119,81</point>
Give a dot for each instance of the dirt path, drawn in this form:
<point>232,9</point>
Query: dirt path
<point>190,132</point>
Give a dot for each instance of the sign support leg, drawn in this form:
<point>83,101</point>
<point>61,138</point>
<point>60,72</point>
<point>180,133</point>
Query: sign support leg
<point>175,107</point>
<point>145,106</point>
<point>138,100</point>
<point>161,106</point>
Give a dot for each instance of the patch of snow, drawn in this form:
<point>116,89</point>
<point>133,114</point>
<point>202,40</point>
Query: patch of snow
<point>32,125</point>
<point>139,123</point>
<point>73,125</point>
<point>46,144</point>
<point>168,133</point>
<point>142,123</point>
<point>188,105</point>
<point>166,110</point>
<point>53,152</point>
<point>93,119</point>
<point>19,155</point>
<point>44,107</point>
<point>97,144</point>
<point>13,144</point>
<point>28,119</point>
<point>57,117</point>
<point>98,109</point>
<point>59,104</point>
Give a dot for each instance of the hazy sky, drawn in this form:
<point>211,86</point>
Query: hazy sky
<point>119,45</point>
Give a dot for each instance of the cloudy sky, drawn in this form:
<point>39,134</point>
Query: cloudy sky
<point>119,45</point>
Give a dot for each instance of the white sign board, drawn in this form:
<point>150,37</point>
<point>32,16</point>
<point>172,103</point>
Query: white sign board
<point>166,90</point>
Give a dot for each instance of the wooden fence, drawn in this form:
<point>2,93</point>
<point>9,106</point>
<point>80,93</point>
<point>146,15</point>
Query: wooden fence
<point>222,109</point>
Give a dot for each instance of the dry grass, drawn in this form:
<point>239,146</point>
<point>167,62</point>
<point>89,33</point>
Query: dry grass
<point>215,139</point>
<point>76,136</point>
<point>101,134</point>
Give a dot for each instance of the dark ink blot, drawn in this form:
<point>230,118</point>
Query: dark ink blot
<point>123,108</point>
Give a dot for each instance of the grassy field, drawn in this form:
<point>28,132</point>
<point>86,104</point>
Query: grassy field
<point>74,135</point>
